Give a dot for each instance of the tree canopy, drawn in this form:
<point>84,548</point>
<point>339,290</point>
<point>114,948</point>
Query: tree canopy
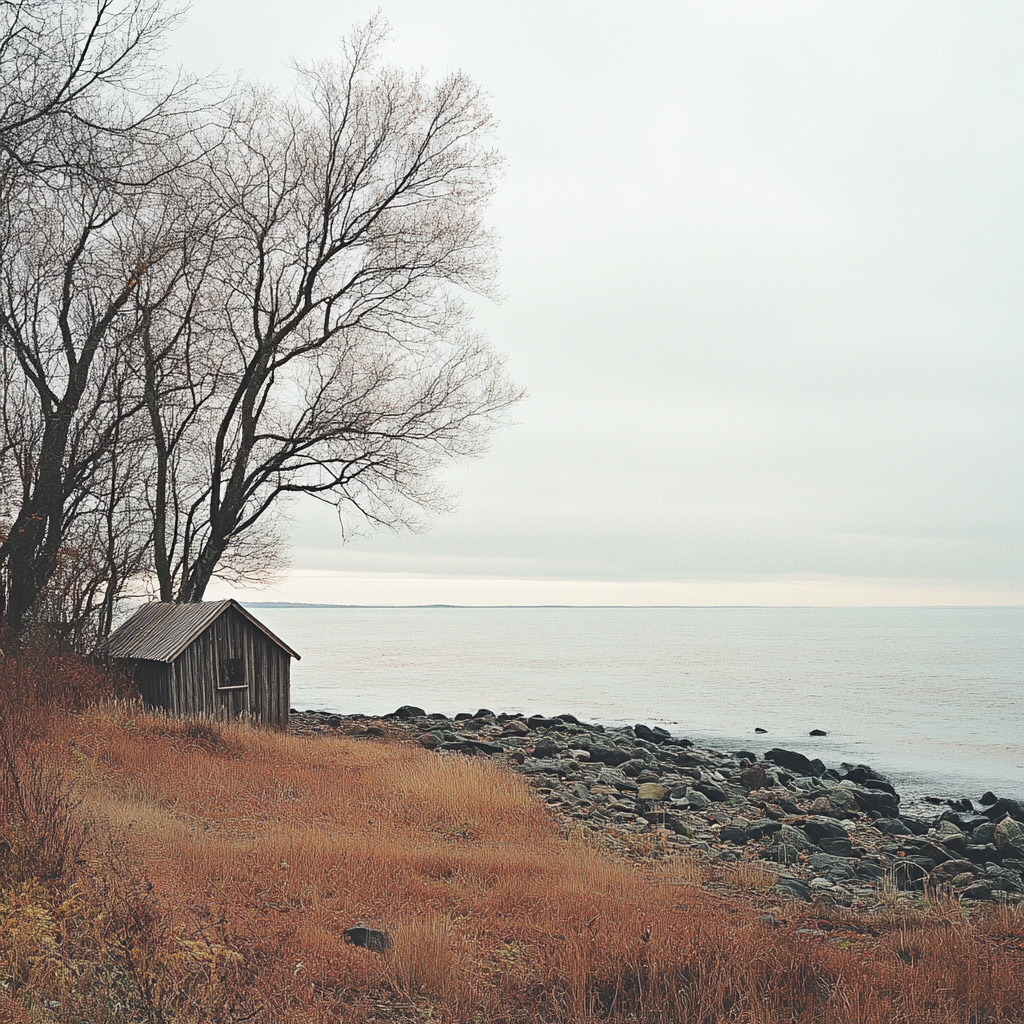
<point>212,301</point>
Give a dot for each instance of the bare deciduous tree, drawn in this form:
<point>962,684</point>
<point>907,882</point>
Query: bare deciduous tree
<point>80,91</point>
<point>88,133</point>
<point>279,313</point>
<point>352,220</point>
<point>68,272</point>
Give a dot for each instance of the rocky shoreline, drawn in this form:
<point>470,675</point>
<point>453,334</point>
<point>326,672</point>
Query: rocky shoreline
<point>825,833</point>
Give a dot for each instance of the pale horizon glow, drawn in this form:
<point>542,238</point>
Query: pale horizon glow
<point>311,586</point>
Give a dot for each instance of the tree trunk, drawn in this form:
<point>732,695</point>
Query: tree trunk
<point>37,535</point>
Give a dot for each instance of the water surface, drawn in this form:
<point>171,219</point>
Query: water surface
<point>932,696</point>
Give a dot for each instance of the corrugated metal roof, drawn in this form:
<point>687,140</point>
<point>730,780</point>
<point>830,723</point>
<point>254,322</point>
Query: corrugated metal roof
<point>160,631</point>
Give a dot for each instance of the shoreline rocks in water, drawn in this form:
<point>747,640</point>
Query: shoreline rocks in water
<point>832,832</point>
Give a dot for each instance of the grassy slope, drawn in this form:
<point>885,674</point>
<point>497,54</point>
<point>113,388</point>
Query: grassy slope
<point>224,863</point>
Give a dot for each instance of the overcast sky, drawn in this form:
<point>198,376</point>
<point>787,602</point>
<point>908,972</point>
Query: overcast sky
<point>764,267</point>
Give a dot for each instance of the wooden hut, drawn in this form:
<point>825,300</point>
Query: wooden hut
<point>209,659</point>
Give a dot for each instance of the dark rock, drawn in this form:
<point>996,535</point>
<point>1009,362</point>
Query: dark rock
<point>463,716</point>
<point>375,939</point>
<point>569,719</point>
<point>731,834</point>
<point>1005,806</point>
<point>945,873</point>
<point>613,756</point>
<point>484,713</point>
<point>893,827</point>
<point>917,826</point>
<point>837,847</point>
<point>819,828</point>
<point>988,797</point>
<point>645,732</point>
<point>428,740</point>
<point>984,834</point>
<point>547,747</point>
<point>516,727</point>
<point>712,792</point>
<point>794,762</point>
<point>780,853</point>
<point>818,732</point>
<point>760,731</point>
<point>965,821</point>
<point>977,891</point>
<point>982,853</point>
<point>870,871</point>
<point>438,716</point>
<point>747,755</point>
<point>633,769</point>
<point>409,711</point>
<point>882,803</point>
<point>863,775</point>
<point>373,730</point>
<point>793,887</point>
<point>1004,878</point>
<point>758,830</point>
<point>334,721</point>
<point>484,748</point>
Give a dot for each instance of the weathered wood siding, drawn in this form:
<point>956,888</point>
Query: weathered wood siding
<point>192,685</point>
<point>153,679</point>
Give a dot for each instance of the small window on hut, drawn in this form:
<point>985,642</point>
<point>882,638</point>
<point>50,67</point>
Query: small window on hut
<point>232,674</point>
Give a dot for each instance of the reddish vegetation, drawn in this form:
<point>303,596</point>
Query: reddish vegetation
<point>159,870</point>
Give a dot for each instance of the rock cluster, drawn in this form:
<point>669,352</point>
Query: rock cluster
<point>824,831</point>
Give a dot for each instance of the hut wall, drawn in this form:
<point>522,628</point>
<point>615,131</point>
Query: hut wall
<point>153,679</point>
<point>199,678</point>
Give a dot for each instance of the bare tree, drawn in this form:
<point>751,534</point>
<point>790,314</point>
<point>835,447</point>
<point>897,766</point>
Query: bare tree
<point>350,221</point>
<point>66,283</point>
<point>80,90</point>
<point>89,136</point>
<point>273,306</point>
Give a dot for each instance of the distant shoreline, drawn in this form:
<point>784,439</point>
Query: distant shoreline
<point>696,607</point>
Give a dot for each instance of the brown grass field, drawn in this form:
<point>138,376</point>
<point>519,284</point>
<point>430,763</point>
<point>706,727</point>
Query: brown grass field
<point>161,870</point>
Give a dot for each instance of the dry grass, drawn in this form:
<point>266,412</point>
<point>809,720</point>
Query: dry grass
<point>223,865</point>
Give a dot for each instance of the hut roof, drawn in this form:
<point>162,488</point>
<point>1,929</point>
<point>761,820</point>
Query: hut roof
<point>160,631</point>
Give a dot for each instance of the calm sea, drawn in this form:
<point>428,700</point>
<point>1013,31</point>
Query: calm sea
<point>932,696</point>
